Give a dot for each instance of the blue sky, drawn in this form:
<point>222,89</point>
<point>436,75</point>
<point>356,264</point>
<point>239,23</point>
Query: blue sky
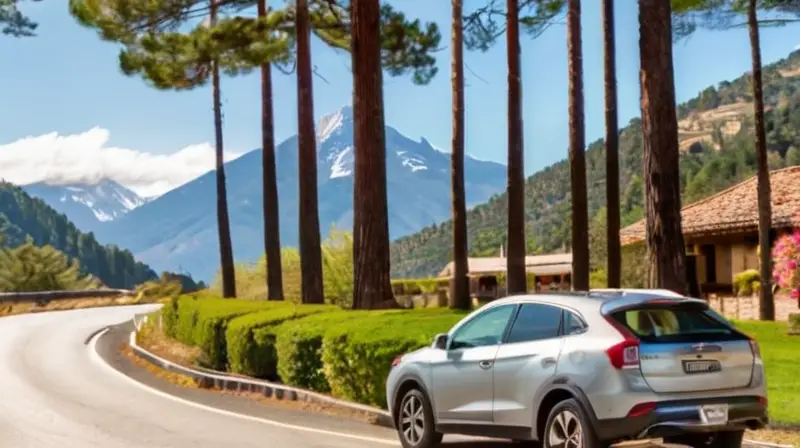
<point>66,81</point>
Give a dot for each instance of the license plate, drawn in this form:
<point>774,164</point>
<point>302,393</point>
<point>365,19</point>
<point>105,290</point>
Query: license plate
<point>704,366</point>
<point>714,414</point>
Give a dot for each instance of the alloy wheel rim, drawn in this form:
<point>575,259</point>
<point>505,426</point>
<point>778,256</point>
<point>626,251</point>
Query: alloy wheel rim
<point>412,420</point>
<point>565,431</point>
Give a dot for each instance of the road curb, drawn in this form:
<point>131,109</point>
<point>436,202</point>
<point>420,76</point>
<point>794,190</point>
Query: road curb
<point>268,389</point>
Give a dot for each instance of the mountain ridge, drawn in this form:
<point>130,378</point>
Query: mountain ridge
<point>177,231</point>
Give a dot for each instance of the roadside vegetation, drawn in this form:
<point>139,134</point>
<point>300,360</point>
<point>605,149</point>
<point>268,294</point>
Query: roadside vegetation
<point>348,354</point>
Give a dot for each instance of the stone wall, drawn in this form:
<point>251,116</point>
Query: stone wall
<point>746,308</point>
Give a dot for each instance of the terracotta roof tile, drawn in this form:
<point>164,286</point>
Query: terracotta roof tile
<point>735,209</point>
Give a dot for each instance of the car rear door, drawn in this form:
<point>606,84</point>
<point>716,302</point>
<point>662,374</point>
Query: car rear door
<point>685,347</point>
<point>526,359</point>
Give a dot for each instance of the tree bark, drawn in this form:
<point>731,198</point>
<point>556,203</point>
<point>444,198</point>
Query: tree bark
<point>223,224</point>
<point>516,279</point>
<point>459,286</point>
<point>664,238</point>
<point>269,179</point>
<point>767,303</point>
<point>371,270</point>
<point>614,261</point>
<point>311,288</point>
<point>577,148</point>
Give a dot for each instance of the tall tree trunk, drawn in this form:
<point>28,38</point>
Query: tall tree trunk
<point>459,288</point>
<point>614,261</point>
<point>666,250</point>
<point>767,308</point>
<point>310,251</point>
<point>272,234</point>
<point>371,270</point>
<point>577,148</point>
<point>516,279</point>
<point>223,224</point>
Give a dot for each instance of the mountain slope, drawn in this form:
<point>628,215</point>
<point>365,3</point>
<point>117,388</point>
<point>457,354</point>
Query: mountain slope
<point>717,148</point>
<point>22,215</point>
<point>177,231</point>
<point>88,206</point>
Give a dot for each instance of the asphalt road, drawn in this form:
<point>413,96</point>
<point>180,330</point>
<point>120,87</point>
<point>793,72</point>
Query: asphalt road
<point>57,391</point>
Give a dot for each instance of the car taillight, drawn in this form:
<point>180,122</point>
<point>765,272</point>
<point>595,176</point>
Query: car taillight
<point>755,349</point>
<point>397,360</point>
<point>626,353</point>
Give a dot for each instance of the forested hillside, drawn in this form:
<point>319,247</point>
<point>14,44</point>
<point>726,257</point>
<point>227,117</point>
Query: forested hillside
<point>21,216</point>
<point>717,151</point>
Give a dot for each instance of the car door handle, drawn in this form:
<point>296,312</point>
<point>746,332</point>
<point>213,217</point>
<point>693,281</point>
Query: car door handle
<point>485,364</point>
<point>547,362</point>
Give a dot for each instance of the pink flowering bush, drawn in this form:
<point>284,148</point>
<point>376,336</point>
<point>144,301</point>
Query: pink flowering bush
<point>786,263</point>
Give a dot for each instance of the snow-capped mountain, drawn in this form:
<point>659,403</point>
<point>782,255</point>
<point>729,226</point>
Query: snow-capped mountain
<point>88,206</point>
<point>177,231</point>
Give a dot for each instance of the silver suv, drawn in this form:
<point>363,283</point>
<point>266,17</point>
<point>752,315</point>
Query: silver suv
<point>583,370</point>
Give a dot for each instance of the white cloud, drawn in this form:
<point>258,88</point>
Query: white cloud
<point>86,158</point>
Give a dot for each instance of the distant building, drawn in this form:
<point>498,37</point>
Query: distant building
<point>721,232</point>
<point>545,272</point>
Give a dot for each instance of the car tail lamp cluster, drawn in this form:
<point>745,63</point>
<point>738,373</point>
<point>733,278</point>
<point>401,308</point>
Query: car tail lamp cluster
<point>624,355</point>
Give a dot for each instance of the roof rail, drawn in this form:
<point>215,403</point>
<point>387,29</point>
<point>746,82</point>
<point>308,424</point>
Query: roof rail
<point>638,291</point>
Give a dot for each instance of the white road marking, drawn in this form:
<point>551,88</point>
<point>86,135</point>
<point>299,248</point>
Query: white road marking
<point>100,361</point>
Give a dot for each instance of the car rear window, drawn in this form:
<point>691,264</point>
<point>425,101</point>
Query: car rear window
<point>675,324</point>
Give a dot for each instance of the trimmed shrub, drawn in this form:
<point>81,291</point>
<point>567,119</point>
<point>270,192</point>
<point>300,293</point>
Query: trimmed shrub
<point>212,323</point>
<point>358,354</point>
<point>298,346</point>
<point>251,339</point>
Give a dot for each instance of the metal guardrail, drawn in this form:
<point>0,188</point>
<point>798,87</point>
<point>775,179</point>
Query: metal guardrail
<point>47,296</point>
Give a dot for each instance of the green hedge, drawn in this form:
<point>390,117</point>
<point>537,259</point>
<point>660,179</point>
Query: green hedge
<point>357,355</point>
<point>316,347</point>
<point>299,347</point>
<point>251,338</point>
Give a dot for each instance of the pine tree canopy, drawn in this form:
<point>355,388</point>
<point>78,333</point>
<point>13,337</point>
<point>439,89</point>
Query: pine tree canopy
<point>13,22</point>
<point>28,268</point>
<point>486,24</point>
<point>169,44</point>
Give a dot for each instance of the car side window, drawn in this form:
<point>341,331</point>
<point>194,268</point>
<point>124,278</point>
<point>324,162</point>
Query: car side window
<point>484,329</point>
<point>534,322</point>
<point>572,324</point>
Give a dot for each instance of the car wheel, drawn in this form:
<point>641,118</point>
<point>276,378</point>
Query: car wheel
<point>569,427</point>
<point>725,439</point>
<point>415,424</point>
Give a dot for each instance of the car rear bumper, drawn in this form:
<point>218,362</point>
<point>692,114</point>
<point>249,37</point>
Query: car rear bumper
<point>683,416</point>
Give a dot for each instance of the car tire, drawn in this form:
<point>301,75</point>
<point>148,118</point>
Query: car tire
<point>415,424</point>
<point>722,439</point>
<point>568,421</point>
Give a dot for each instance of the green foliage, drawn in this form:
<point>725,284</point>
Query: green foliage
<point>251,338</point>
<point>299,347</point>
<point>337,271</point>
<point>28,268</point>
<point>13,22</point>
<point>22,216</point>
<point>704,171</point>
<point>689,15</point>
<point>746,282</point>
<point>319,347</point>
<point>486,24</point>
<point>357,355</point>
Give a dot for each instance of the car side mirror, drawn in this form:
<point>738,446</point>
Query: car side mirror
<point>440,341</point>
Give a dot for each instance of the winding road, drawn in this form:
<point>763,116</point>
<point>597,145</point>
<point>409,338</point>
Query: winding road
<point>57,391</point>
